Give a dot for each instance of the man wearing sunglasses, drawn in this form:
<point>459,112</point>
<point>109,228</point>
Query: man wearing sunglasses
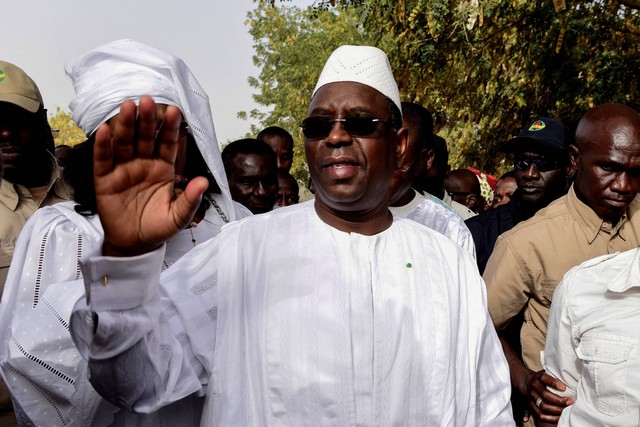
<point>541,169</point>
<point>599,215</point>
<point>329,312</point>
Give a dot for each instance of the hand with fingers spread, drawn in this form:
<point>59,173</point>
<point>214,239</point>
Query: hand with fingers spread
<point>134,177</point>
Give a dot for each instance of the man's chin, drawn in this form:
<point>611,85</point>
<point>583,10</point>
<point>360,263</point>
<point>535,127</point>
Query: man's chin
<point>11,173</point>
<point>533,200</point>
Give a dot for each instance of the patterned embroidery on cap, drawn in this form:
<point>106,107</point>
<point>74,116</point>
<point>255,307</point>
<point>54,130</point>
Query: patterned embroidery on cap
<point>2,76</point>
<point>537,125</point>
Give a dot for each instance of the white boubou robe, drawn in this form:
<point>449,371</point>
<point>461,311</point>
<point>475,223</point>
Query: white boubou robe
<point>284,320</point>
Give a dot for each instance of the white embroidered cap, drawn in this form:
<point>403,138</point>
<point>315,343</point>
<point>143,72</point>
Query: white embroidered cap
<point>361,64</point>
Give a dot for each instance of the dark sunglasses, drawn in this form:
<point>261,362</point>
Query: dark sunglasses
<point>541,163</point>
<point>318,127</point>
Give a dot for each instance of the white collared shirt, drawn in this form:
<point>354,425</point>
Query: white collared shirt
<point>593,341</point>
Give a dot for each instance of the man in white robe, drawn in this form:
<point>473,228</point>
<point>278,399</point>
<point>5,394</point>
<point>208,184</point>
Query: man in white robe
<point>46,375</point>
<point>330,312</point>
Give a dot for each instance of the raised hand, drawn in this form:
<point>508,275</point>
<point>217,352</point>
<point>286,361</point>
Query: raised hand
<point>134,175</point>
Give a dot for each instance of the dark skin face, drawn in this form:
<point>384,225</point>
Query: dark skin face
<point>287,191</point>
<point>253,182</point>
<point>607,160</point>
<point>417,157</point>
<point>430,177</point>
<point>463,187</point>
<point>352,175</point>
<point>23,145</point>
<point>537,189</point>
<point>284,151</point>
<point>503,191</point>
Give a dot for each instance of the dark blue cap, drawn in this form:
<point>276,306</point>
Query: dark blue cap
<point>542,134</point>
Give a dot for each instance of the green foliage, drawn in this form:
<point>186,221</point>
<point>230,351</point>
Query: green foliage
<point>65,131</point>
<point>518,60</point>
<point>483,68</point>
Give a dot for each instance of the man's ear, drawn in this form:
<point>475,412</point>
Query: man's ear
<point>470,201</point>
<point>401,147</point>
<point>574,156</point>
<point>425,158</point>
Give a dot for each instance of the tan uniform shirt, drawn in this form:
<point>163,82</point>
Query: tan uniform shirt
<point>529,261</point>
<point>17,204</point>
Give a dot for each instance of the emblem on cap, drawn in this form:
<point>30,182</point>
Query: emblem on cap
<point>2,75</point>
<point>537,125</point>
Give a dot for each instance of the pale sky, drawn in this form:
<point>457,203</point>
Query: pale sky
<point>209,35</point>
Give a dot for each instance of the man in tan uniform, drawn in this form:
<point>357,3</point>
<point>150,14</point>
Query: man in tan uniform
<point>599,215</point>
<point>32,177</point>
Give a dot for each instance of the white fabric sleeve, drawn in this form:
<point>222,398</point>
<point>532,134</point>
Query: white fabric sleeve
<point>494,385</point>
<point>492,371</point>
<point>560,359</point>
<point>465,240</point>
<point>39,362</point>
<point>488,386</point>
<point>128,331</point>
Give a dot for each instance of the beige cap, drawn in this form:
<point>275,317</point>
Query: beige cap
<point>367,65</point>
<point>17,88</point>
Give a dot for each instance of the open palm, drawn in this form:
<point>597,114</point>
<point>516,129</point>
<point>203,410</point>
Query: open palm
<point>134,174</point>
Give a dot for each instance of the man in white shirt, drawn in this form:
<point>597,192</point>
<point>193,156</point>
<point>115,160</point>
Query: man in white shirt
<point>592,341</point>
<point>405,201</point>
<point>330,312</point>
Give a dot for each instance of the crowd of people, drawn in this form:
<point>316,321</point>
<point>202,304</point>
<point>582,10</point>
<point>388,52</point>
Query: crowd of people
<point>151,279</point>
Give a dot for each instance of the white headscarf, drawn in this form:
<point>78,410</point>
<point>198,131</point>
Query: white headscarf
<point>361,64</point>
<point>126,69</point>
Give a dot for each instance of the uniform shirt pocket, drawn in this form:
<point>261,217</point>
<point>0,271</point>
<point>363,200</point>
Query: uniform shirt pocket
<point>605,357</point>
<point>6,253</point>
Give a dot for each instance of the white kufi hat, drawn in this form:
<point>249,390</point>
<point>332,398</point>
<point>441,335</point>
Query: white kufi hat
<point>361,64</point>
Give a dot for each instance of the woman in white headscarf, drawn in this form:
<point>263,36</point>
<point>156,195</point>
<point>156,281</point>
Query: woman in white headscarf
<point>44,371</point>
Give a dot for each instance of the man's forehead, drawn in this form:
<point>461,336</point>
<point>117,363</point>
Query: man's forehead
<point>279,142</point>
<point>9,108</point>
<point>351,96</point>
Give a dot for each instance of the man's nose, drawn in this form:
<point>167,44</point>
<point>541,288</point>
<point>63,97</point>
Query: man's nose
<point>260,189</point>
<point>623,183</point>
<point>338,135</point>
<point>5,130</point>
<point>532,172</point>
